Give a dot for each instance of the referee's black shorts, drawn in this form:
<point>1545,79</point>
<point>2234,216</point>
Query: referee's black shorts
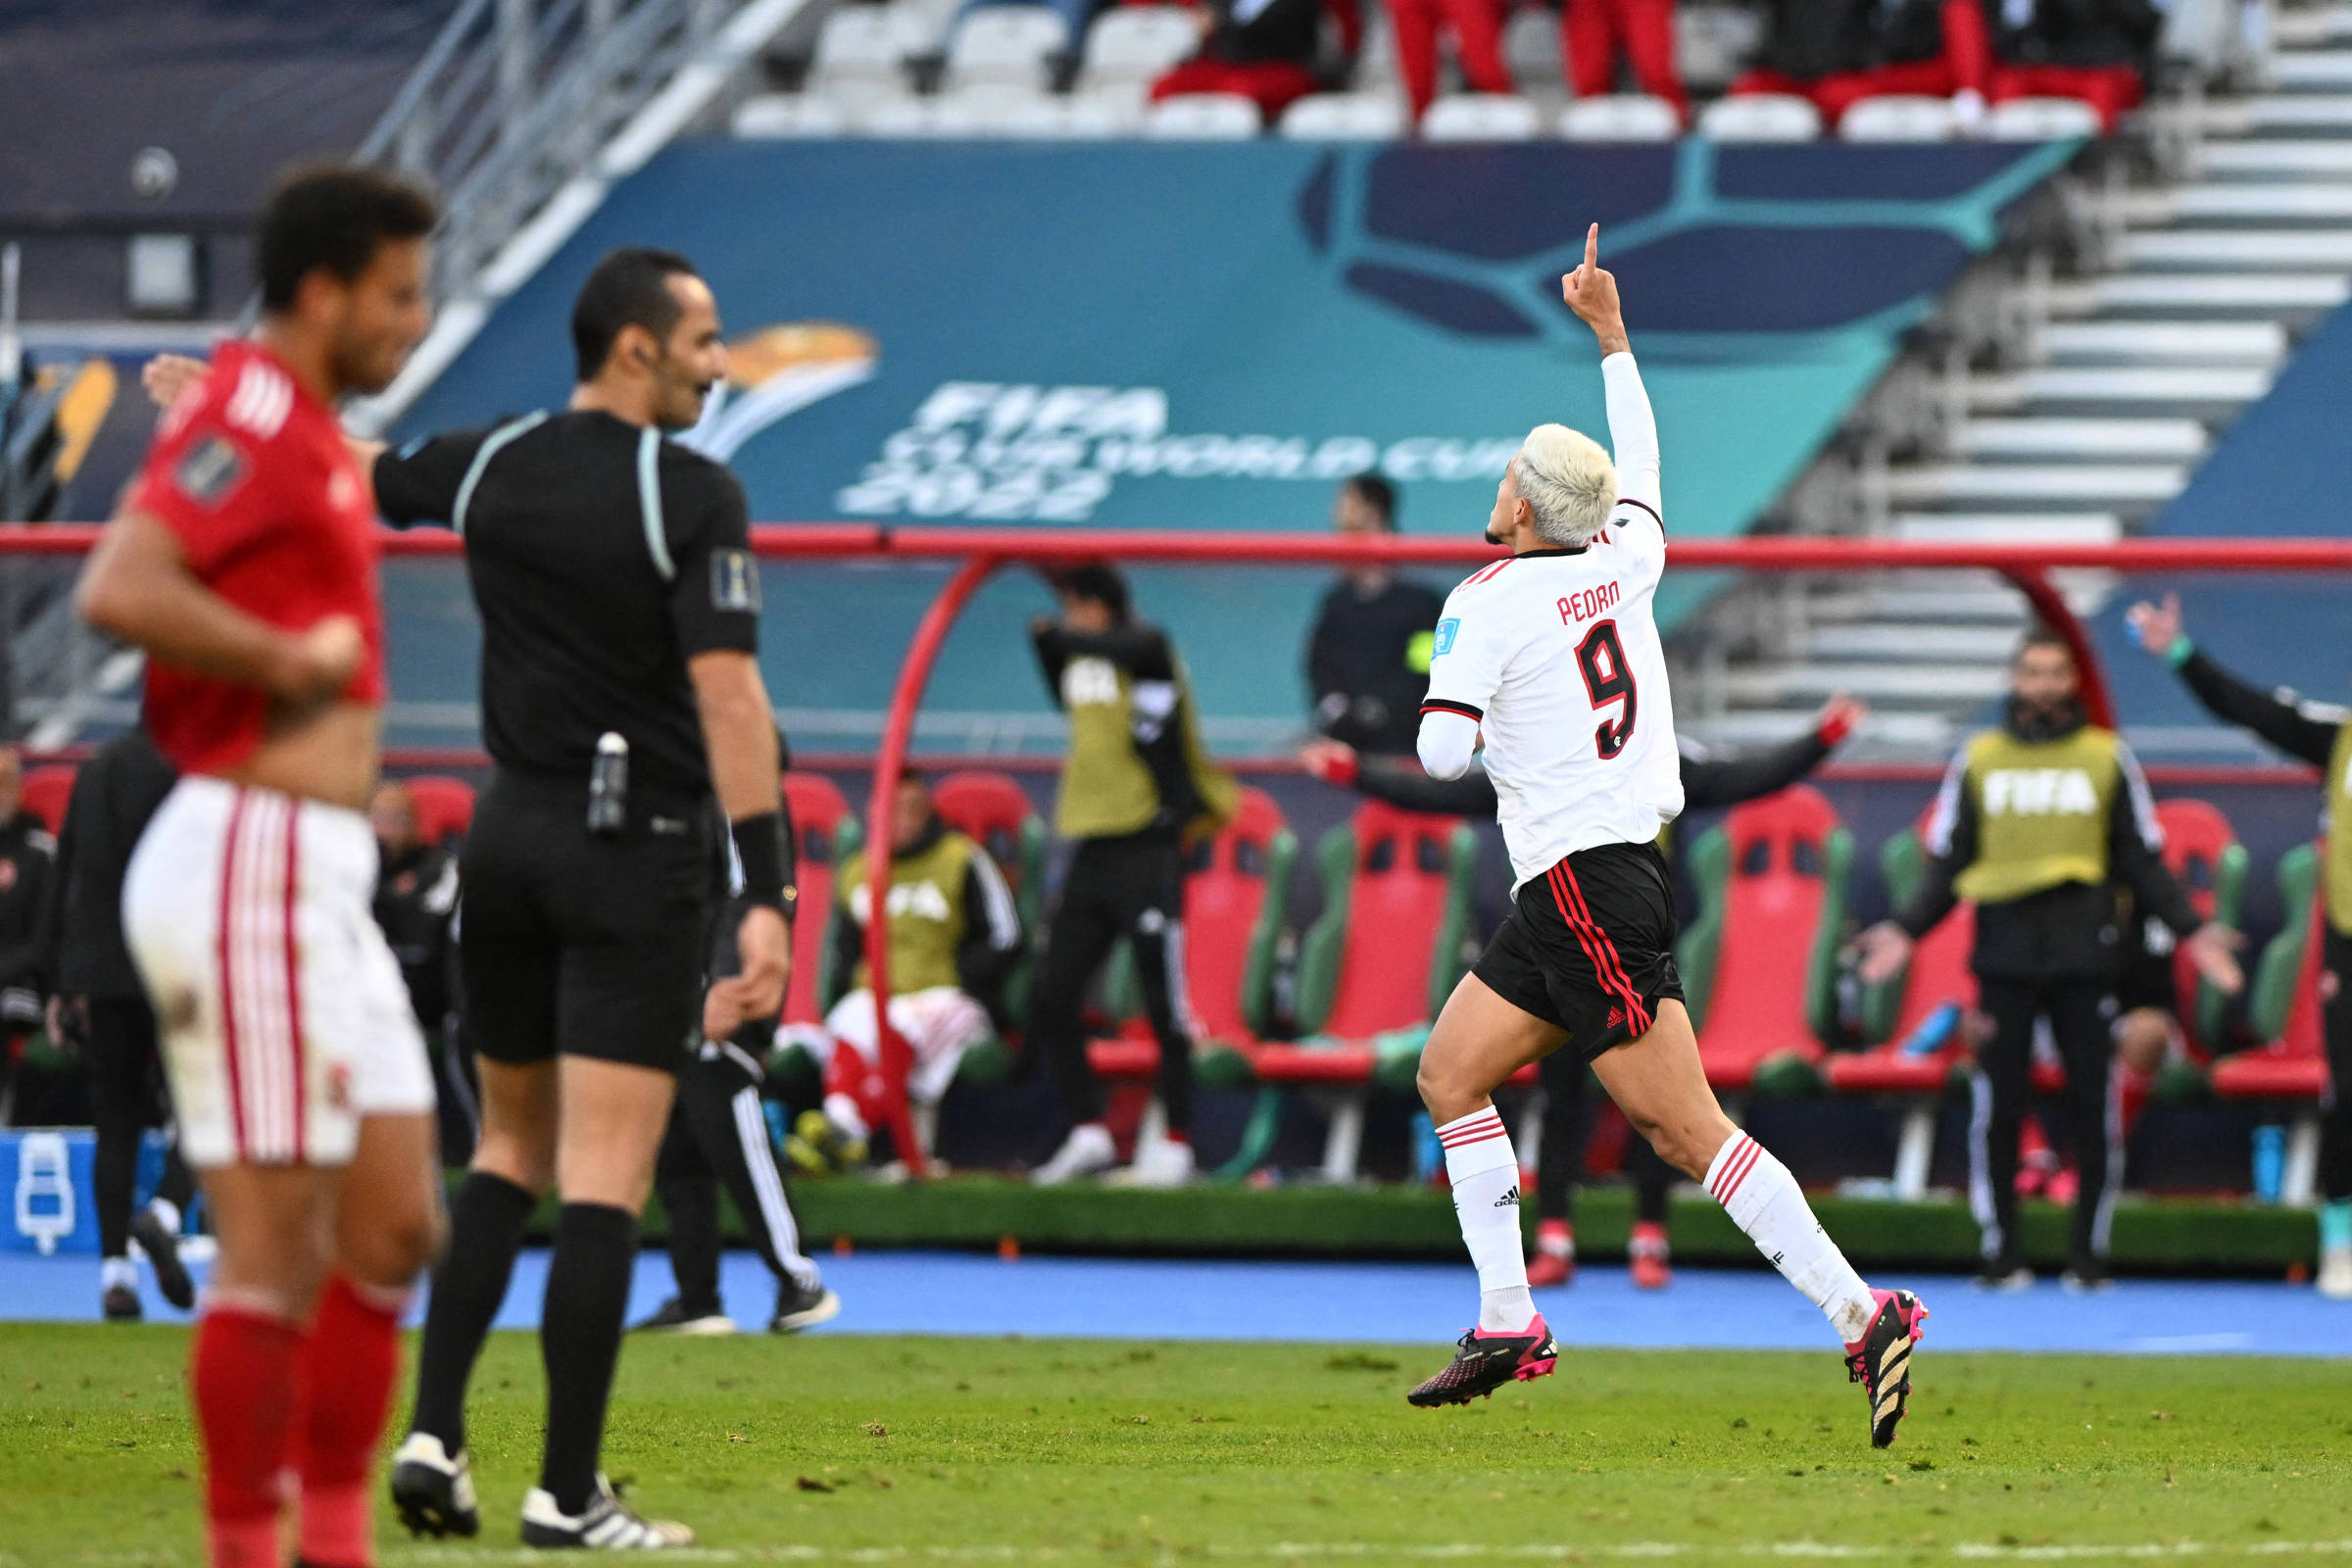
<point>1590,947</point>
<point>584,945</point>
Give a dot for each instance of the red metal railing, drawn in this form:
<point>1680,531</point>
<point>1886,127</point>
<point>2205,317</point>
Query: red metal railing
<point>985,551</point>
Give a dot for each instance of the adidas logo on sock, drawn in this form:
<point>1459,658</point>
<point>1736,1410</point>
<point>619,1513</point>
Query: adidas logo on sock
<point>1509,1200</point>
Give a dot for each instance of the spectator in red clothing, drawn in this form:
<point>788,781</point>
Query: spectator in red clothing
<point>1477,26</point>
<point>1593,32</point>
<point>2096,50</point>
<point>1838,52</point>
<point>1264,50</point>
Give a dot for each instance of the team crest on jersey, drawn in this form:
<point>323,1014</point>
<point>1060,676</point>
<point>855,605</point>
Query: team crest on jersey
<point>1446,632</point>
<point>212,469</point>
<point>734,582</point>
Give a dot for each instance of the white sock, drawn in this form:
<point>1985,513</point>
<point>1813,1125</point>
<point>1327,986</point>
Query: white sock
<point>842,1111</point>
<point>118,1271</point>
<point>1485,1173</point>
<point>1764,1201</point>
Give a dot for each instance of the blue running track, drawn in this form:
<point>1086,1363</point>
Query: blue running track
<point>956,1293</point>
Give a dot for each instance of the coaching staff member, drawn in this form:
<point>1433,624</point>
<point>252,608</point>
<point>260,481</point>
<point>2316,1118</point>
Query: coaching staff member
<point>618,597</point>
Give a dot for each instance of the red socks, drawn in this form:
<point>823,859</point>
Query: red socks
<point>242,1377</point>
<point>273,1401</point>
<point>347,1371</point>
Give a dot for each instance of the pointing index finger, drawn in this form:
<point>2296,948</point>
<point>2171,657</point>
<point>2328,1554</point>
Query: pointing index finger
<point>1593,247</point>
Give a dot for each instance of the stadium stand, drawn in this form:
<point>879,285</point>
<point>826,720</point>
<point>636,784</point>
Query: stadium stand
<point>444,805</point>
<point>45,793</point>
<point>820,815</point>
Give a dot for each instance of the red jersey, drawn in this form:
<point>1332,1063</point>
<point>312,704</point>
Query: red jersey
<point>251,472</point>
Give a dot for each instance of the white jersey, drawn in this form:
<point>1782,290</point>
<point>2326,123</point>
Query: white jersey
<point>1555,656</point>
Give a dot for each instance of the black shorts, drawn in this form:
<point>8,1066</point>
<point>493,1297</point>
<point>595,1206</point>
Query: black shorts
<point>581,945</point>
<point>1590,947</point>
<point>2144,978</point>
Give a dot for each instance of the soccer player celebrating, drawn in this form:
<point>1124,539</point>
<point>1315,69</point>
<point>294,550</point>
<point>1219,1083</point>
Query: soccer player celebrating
<point>244,564</point>
<point>1551,655</point>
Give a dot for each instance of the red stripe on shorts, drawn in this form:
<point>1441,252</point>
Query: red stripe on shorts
<point>228,995</point>
<point>294,979</point>
<point>1597,951</point>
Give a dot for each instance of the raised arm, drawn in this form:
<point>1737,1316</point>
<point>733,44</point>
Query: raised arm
<point>2299,727</point>
<point>1591,294</point>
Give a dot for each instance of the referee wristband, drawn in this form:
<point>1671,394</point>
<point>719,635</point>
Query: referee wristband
<point>2177,654</point>
<point>759,849</point>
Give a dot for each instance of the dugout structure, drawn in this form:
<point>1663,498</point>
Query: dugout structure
<point>979,553</point>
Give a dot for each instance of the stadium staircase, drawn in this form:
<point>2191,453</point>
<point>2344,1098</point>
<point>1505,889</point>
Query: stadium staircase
<point>2063,408</point>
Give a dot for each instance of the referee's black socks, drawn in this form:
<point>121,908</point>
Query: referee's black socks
<point>579,1342</point>
<point>485,1230</point>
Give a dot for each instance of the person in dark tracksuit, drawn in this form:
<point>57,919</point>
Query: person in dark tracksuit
<point>1135,783</point>
<point>96,999</point>
<point>417,905</point>
<point>1367,659</point>
<point>1709,783</point>
<point>2321,734</point>
<point>719,1135</point>
<point>2035,823</point>
<point>27,853</point>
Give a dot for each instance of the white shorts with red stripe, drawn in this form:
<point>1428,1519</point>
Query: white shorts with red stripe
<point>282,1011</point>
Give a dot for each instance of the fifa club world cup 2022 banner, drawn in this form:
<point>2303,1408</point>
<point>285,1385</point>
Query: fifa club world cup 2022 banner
<point>1146,335</point>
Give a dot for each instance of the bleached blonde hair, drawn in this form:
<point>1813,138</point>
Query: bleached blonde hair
<point>1568,480</point>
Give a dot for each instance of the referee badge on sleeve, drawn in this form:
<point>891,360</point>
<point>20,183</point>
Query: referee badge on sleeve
<point>734,582</point>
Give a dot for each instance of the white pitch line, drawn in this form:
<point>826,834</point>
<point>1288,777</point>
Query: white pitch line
<point>1305,1550</point>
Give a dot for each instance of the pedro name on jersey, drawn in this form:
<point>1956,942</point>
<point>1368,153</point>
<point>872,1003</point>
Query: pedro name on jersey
<point>1556,658</point>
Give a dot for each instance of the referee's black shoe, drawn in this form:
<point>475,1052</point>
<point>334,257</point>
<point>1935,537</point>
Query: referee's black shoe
<point>802,1305</point>
<point>606,1524</point>
<point>2086,1272</point>
<point>162,1255</point>
<point>433,1492</point>
<point>1485,1361</point>
<point>675,1316</point>
<point>1881,1360</point>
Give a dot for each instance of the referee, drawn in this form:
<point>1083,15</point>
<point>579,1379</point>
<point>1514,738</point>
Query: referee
<point>620,689</point>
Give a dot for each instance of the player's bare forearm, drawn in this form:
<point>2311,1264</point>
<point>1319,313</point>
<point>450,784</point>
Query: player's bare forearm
<point>136,586</point>
<point>739,730</point>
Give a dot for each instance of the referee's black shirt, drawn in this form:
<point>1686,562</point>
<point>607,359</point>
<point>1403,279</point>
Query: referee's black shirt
<point>603,557</point>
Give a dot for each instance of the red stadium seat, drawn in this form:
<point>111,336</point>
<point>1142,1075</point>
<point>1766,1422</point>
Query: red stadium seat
<point>444,805</point>
<point>46,791</point>
<point>2201,848</point>
<point>1779,869</point>
<point>818,809</point>
<point>1398,891</point>
<point>1379,961</point>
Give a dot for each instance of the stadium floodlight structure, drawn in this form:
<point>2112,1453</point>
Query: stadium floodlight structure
<point>981,553</point>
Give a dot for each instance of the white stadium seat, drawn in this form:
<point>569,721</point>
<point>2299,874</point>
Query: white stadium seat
<point>1006,44</point>
<point>1116,110</point>
<point>1202,116</point>
<point>1621,116</point>
<point>2041,119</point>
<point>1899,116</point>
<point>790,114</point>
<point>1138,43</point>
<point>860,49</point>
<point>1760,116</point>
<point>1344,117</point>
<point>1481,116</point>
<point>895,114</point>
<point>999,109</point>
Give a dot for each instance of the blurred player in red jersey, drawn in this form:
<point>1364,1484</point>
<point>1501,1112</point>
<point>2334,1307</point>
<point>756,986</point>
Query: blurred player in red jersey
<point>244,562</point>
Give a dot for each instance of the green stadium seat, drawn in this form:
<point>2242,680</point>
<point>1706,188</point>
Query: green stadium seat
<point>2284,1008</point>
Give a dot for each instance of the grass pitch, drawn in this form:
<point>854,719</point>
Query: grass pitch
<point>837,1447</point>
